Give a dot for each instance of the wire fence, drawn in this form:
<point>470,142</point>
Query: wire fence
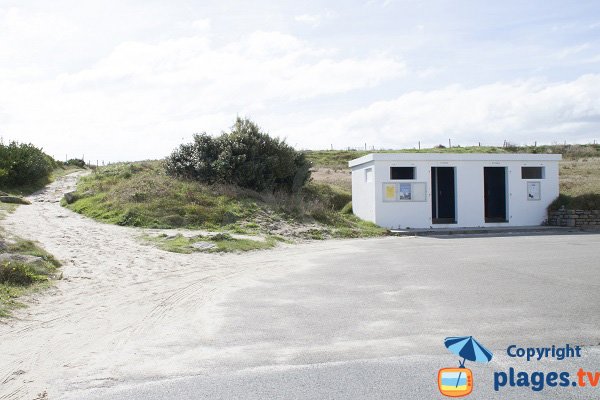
<point>96,162</point>
<point>421,146</point>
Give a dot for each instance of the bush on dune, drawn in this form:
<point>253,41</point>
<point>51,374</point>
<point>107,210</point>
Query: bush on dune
<point>246,157</point>
<point>23,164</point>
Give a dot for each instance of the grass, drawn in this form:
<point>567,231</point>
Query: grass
<point>10,294</point>
<point>338,159</point>
<point>588,201</point>
<point>27,247</point>
<point>579,184</point>
<point>20,278</point>
<point>222,242</point>
<point>579,177</point>
<point>141,194</point>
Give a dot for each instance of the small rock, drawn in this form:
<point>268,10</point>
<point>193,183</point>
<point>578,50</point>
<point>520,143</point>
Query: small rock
<point>13,200</point>
<point>70,197</point>
<point>203,245</point>
<point>3,193</point>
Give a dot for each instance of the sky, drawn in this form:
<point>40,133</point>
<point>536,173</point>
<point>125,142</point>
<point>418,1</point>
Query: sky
<point>132,79</point>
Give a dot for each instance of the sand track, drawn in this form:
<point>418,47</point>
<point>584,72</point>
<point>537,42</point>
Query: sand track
<point>124,310</point>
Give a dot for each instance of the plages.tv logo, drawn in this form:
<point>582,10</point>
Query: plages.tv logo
<point>458,382</point>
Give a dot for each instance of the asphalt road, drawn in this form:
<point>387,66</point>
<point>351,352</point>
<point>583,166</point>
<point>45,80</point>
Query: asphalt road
<point>367,319</point>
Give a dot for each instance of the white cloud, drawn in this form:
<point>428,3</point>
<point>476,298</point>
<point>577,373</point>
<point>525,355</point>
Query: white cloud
<point>381,3</point>
<point>155,93</point>
<point>201,24</point>
<point>27,38</point>
<point>520,112</point>
<point>264,66</point>
<point>127,80</point>
<point>315,20</point>
<point>572,50</point>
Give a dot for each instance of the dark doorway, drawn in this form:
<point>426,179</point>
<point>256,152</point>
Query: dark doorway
<point>443,195</point>
<point>494,183</point>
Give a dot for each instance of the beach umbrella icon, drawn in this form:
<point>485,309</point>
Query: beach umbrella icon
<point>468,348</point>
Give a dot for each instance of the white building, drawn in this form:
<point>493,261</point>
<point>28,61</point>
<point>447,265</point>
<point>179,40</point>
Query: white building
<point>435,190</point>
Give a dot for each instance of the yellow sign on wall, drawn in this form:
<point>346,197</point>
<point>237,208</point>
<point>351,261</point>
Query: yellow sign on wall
<point>389,192</point>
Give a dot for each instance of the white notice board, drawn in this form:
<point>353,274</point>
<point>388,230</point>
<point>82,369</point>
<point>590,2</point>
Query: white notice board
<point>404,191</point>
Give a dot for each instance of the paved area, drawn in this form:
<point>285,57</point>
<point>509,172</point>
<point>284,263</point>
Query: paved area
<point>366,319</point>
<point>495,231</point>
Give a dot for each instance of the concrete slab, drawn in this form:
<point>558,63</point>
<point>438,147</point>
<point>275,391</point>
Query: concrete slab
<point>490,230</point>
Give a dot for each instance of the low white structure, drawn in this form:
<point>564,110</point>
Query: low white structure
<point>442,190</point>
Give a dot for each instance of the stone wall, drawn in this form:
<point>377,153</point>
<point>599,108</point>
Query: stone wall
<point>578,218</point>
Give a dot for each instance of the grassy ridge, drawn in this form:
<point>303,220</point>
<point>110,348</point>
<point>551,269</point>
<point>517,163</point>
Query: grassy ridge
<point>338,159</point>
<point>141,194</point>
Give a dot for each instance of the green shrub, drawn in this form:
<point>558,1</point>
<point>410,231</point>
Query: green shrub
<point>21,274</point>
<point>77,162</point>
<point>588,201</point>
<point>347,209</point>
<point>246,157</point>
<point>23,164</point>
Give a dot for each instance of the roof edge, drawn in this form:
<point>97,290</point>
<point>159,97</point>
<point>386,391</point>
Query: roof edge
<point>453,157</point>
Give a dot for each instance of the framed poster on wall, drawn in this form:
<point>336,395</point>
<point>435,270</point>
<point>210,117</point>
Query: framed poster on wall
<point>533,191</point>
<point>389,192</point>
<point>405,192</point>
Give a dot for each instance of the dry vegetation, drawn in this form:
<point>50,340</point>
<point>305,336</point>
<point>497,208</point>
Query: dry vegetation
<point>578,177</point>
<point>339,177</point>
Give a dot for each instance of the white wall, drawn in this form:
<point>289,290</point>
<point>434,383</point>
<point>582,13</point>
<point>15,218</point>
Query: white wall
<point>406,213</point>
<point>533,212</point>
<point>363,192</point>
<point>368,204</point>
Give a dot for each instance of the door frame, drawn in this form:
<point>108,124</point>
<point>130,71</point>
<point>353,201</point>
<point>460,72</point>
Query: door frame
<point>499,220</point>
<point>434,196</point>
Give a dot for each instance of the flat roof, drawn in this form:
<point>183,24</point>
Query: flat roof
<point>453,157</point>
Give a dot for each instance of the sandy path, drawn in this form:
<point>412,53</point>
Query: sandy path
<point>124,310</point>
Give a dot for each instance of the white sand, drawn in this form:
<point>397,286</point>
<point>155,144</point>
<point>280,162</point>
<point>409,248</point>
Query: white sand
<point>124,310</point>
